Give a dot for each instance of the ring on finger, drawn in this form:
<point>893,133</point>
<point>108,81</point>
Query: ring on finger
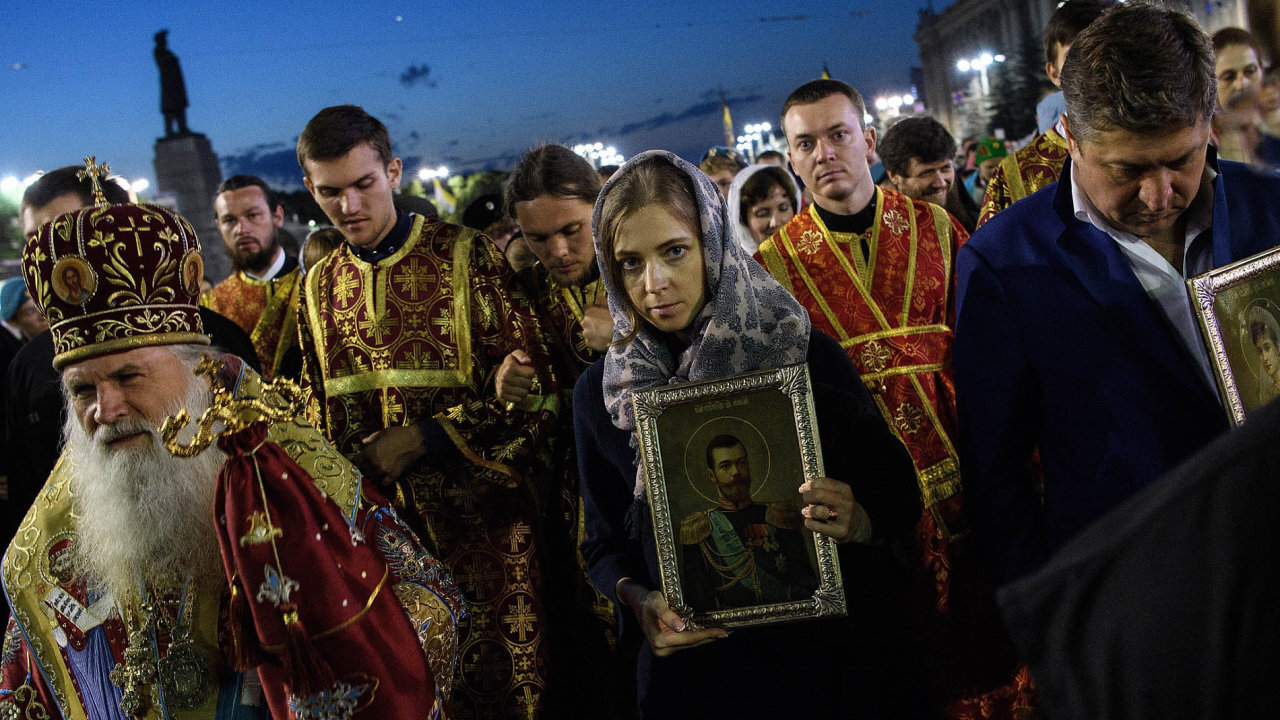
<point>832,515</point>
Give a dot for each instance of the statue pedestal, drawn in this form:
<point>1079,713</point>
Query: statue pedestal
<point>187,167</point>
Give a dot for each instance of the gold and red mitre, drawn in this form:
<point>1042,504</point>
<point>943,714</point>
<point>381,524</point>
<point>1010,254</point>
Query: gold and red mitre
<point>116,277</point>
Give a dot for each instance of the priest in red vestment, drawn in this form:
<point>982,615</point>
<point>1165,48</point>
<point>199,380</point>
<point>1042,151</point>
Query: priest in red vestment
<point>875,270</point>
<point>401,331</point>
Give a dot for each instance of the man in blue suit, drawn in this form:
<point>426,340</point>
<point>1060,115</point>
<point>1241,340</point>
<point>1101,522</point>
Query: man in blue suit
<point>1075,334</point>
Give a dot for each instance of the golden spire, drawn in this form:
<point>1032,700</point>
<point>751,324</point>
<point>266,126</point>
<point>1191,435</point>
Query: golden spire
<point>95,173</point>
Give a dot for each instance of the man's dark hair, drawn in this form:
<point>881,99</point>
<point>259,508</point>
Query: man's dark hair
<point>1228,36</point>
<point>771,155</point>
<point>63,181</point>
<point>721,442</point>
<point>757,188</point>
<point>551,170</point>
<point>1110,81</point>
<point>335,130</point>
<point>239,182</point>
<point>920,137</point>
<point>1067,22</point>
<point>815,90</point>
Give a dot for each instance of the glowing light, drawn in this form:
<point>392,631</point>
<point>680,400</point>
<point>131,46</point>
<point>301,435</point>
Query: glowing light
<point>426,174</point>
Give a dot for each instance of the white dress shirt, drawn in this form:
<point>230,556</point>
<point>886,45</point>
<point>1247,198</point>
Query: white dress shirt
<point>1163,283</point>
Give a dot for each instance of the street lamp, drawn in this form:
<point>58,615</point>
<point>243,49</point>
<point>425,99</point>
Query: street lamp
<point>891,105</point>
<point>980,64</point>
<point>756,138</point>
<point>599,154</point>
<point>426,174</point>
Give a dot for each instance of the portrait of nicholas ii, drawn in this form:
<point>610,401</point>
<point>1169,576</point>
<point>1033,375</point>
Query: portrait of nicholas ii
<point>742,552</point>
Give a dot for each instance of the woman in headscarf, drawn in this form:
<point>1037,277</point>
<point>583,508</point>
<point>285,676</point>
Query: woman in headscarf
<point>689,304</point>
<point>1264,334</point>
<point>762,199</point>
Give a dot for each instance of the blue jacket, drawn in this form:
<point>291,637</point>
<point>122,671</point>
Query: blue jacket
<point>1058,347</point>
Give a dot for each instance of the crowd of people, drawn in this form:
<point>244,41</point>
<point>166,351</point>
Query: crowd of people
<point>401,475</point>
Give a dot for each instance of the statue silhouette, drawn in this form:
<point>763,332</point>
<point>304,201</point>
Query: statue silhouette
<point>173,91</point>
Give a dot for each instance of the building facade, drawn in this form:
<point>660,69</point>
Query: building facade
<point>966,29</point>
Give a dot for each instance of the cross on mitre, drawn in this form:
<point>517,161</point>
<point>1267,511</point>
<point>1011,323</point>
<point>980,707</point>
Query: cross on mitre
<point>95,173</point>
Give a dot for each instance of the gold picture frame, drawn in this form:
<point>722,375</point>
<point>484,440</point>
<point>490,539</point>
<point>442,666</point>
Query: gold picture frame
<point>1238,306</point>
<point>696,442</point>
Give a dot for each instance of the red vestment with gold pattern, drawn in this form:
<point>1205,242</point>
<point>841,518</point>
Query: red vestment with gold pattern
<point>590,644</point>
<point>1034,167</point>
<point>418,335</point>
<point>266,309</point>
<point>385,629</point>
<point>892,311</point>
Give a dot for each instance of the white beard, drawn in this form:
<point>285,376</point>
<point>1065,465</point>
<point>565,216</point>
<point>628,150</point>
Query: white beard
<point>144,516</point>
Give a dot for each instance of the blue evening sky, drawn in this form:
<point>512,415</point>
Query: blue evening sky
<point>78,78</point>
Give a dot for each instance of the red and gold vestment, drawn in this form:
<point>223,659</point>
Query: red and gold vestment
<point>266,309</point>
<point>1030,169</point>
<point>418,335</point>
<point>70,649</point>
<point>589,617</point>
<point>892,310</point>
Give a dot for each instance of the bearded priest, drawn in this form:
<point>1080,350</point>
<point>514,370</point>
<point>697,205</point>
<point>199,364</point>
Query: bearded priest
<point>237,567</point>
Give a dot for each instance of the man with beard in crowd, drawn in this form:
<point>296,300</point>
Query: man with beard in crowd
<point>919,157</point>
<point>33,404</point>
<point>129,600</point>
<point>261,295</point>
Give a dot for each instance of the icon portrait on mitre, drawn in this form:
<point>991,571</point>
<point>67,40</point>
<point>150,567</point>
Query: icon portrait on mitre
<point>192,272</point>
<point>73,280</point>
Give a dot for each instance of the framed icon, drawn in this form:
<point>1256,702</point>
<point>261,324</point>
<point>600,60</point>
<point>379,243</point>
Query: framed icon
<point>1238,306</point>
<point>722,461</point>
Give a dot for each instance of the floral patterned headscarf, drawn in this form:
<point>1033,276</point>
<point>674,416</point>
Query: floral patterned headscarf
<point>749,323</point>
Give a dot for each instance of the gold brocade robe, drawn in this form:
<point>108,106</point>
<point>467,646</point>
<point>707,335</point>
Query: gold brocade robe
<point>419,335</point>
<point>589,641</point>
<point>1030,169</point>
<point>893,313</point>
<point>64,638</point>
<point>265,309</point>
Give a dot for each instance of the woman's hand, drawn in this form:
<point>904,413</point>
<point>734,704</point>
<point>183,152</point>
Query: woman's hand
<point>667,633</point>
<point>833,512</point>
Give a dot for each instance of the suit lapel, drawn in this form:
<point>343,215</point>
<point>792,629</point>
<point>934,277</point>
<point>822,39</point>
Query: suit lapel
<point>1104,272</point>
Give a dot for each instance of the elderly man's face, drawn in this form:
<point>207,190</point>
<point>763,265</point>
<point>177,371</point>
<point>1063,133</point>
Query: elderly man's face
<point>121,399</point>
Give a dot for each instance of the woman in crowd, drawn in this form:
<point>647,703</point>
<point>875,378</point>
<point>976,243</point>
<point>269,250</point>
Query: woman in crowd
<point>688,304</point>
<point>1264,334</point>
<point>762,199</point>
<point>722,164</point>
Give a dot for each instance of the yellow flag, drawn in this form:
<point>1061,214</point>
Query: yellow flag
<point>445,201</point>
<point>728,125</point>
